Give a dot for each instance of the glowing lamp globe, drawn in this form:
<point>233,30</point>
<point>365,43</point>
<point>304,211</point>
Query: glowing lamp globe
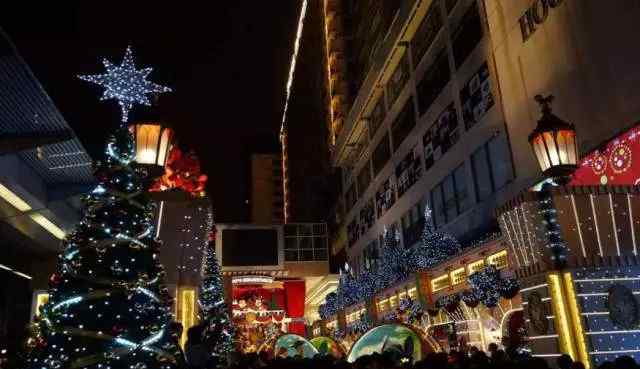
<point>152,143</point>
<point>554,143</point>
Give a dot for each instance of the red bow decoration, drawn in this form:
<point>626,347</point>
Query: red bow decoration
<point>181,172</point>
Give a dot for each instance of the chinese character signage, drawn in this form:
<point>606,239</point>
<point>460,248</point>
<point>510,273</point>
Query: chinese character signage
<point>476,97</point>
<point>385,197</point>
<point>441,136</point>
<point>408,171</point>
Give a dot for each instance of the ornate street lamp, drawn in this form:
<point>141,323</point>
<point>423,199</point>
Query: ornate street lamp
<point>554,143</point>
<point>153,142</point>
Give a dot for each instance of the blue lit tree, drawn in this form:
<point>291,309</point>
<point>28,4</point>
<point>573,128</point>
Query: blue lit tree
<point>219,330</point>
<point>434,248</point>
<point>394,265</point>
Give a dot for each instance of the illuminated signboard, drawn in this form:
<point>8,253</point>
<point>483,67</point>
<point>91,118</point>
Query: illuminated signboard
<point>616,163</point>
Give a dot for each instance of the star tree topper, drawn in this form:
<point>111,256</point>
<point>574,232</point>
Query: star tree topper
<point>125,84</point>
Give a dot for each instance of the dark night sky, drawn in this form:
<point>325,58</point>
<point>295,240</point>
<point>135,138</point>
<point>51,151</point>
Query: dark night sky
<point>227,62</point>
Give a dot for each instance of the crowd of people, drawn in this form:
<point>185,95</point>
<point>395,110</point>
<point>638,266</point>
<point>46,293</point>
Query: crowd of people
<point>455,360</point>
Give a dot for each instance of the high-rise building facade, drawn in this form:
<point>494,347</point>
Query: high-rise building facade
<point>267,197</point>
<point>437,105</point>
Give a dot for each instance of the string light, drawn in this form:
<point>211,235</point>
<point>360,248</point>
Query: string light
<point>292,67</point>
<point>125,84</point>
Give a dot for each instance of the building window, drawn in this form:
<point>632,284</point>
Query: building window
<point>482,173</point>
<point>381,154</point>
<point>492,167</point>
<point>385,197</point>
<point>476,266</point>
<point>370,255</point>
<point>367,216</point>
<point>377,116</point>
<point>462,195</point>
<point>305,242</point>
<point>467,35</point>
<point>351,196</point>
<point>499,259</point>
<point>476,97</point>
<point>408,171</point>
<point>440,283</point>
<point>398,80</point>
<point>364,178</point>
<point>439,215</point>
<point>458,276</point>
<point>403,124</point>
<point>353,232</point>
<point>441,136</point>
<point>412,225</point>
<point>426,33</point>
<point>434,80</point>
<point>500,157</point>
<point>450,197</point>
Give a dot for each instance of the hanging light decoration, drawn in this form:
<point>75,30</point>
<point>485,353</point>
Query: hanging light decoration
<point>554,142</point>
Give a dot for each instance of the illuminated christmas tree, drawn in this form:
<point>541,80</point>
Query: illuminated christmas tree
<point>219,331</point>
<point>434,248</point>
<point>393,264</point>
<point>108,308</point>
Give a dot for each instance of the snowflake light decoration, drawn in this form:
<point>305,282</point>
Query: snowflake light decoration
<point>125,84</point>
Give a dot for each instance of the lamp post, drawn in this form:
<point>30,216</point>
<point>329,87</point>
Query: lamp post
<point>554,145</point>
<point>152,144</point>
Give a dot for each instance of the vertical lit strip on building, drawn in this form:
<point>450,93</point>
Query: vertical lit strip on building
<point>160,213</point>
<point>41,299</point>
<point>562,323</point>
<point>333,78</point>
<point>187,311</point>
<point>283,129</point>
<point>576,319</point>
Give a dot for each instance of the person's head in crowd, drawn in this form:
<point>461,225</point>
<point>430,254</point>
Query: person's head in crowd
<point>625,362</point>
<point>493,347</point>
<point>577,365</point>
<point>564,361</point>
<point>194,335</point>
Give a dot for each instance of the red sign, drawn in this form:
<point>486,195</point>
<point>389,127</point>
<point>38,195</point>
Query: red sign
<point>617,163</point>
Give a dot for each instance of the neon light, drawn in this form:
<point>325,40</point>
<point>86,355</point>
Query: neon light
<point>13,199</point>
<point>633,231</point>
<point>71,301</point>
<point>595,221</point>
<point>562,322</point>
<point>546,355</point>
<point>595,333</point>
<point>543,337</point>
<point>576,318</point>
<point>608,279</point>
<point>148,293</point>
<point>533,287</point>
<point>292,68</point>
<point>45,223</point>
<point>160,212</point>
<point>613,352</point>
<point>187,311</point>
<point>153,339</point>
<point>575,215</point>
<point>615,227</point>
